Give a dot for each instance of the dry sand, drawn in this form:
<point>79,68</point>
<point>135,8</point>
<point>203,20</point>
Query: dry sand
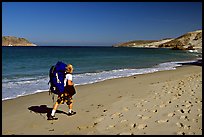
<point>167,102</point>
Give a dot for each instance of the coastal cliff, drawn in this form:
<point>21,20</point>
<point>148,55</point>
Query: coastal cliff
<point>188,41</point>
<point>14,41</point>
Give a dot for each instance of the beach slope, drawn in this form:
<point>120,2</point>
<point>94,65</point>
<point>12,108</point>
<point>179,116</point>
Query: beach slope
<point>166,102</point>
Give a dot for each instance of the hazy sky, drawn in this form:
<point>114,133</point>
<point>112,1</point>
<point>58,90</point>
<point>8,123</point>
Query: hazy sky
<point>98,23</point>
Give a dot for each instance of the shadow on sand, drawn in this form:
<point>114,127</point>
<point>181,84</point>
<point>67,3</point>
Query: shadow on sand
<point>43,109</point>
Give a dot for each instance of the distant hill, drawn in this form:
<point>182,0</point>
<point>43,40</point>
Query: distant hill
<point>14,41</point>
<point>188,41</point>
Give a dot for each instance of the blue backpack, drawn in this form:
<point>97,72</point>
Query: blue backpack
<point>57,75</point>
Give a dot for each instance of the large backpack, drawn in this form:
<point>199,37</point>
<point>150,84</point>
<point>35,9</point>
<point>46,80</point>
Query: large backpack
<point>57,75</point>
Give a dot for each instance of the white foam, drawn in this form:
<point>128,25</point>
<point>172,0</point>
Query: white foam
<point>192,50</point>
<point>25,86</point>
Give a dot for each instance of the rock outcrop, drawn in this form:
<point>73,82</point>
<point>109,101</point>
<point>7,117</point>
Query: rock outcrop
<point>188,41</point>
<point>14,41</point>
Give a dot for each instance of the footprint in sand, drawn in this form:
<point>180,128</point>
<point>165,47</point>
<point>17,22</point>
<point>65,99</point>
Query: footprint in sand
<point>141,126</point>
<point>162,121</point>
<point>170,92</point>
<point>188,105</point>
<point>144,109</point>
<point>184,118</point>
<point>99,105</point>
<point>181,125</point>
<point>198,101</point>
<point>94,124</point>
<point>139,115</point>
<point>171,114</point>
<point>162,105</point>
<point>133,125</point>
<point>184,111</point>
<point>117,114</point>
<point>169,102</point>
<point>105,110</point>
<point>145,117</point>
<point>195,120</point>
<point>51,129</point>
<point>180,133</point>
<point>145,101</point>
<point>110,126</point>
<point>155,110</point>
<point>119,96</point>
<point>82,127</point>
<point>99,119</point>
<point>126,109</point>
<point>124,120</point>
<point>199,115</point>
<point>187,127</point>
<point>191,133</point>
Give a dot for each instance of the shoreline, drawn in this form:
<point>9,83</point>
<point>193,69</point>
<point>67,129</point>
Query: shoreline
<point>197,61</point>
<point>128,105</point>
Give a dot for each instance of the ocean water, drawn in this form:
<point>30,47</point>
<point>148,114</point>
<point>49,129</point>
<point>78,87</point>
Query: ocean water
<point>25,70</point>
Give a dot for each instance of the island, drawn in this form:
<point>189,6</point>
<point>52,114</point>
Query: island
<point>15,41</point>
<point>189,41</point>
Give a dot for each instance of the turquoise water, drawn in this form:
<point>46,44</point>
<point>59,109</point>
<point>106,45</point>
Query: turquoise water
<point>25,69</point>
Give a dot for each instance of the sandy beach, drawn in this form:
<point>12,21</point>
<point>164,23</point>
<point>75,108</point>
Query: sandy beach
<point>166,102</point>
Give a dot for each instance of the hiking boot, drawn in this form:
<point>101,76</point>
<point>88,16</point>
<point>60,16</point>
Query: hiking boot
<point>52,118</point>
<point>72,113</point>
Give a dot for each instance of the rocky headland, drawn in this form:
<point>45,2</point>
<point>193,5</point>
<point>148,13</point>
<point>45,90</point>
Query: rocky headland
<point>188,41</point>
<point>14,41</point>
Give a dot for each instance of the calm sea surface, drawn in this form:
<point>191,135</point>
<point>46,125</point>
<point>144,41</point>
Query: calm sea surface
<point>25,69</point>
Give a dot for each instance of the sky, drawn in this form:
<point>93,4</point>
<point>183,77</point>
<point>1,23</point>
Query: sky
<point>98,23</point>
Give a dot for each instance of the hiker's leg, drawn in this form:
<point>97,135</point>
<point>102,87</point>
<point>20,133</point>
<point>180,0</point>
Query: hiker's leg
<point>70,104</point>
<point>59,100</point>
<point>55,106</point>
<point>54,109</point>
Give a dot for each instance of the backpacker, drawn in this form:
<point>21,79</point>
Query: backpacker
<point>57,75</point>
